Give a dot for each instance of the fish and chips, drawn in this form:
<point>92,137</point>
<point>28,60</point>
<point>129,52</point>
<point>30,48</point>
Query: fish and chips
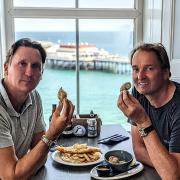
<point>79,153</point>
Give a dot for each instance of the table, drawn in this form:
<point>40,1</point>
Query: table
<point>53,170</point>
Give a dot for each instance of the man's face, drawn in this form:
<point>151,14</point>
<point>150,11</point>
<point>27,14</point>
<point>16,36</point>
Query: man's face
<point>25,70</point>
<point>148,76</point>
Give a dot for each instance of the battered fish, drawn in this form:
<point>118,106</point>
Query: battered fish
<point>73,150</point>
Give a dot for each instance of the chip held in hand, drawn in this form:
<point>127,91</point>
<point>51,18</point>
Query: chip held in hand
<point>126,86</point>
<point>62,94</point>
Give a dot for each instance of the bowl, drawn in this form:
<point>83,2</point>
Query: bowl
<point>118,160</point>
<point>103,170</point>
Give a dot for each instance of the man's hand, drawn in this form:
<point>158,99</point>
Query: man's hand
<point>131,108</point>
<point>60,119</point>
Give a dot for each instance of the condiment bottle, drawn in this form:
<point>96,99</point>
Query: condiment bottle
<point>92,127</point>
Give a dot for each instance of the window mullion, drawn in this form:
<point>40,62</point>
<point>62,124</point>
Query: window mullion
<point>77,69</point>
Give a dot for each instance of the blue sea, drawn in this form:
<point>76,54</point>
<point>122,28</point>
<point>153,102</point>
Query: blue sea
<point>98,90</point>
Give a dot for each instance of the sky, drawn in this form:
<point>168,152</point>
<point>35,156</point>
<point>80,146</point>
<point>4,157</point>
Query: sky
<point>69,25</point>
<point>71,3</point>
<point>29,24</point>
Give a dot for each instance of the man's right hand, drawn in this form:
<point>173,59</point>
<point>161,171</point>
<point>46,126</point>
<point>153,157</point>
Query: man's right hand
<point>60,119</point>
<point>131,108</point>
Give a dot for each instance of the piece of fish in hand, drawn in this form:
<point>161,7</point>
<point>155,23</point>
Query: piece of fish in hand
<point>126,86</point>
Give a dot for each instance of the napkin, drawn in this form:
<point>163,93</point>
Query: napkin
<point>113,140</point>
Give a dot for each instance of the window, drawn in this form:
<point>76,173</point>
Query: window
<point>92,74</point>
<point>106,4</point>
<point>51,33</point>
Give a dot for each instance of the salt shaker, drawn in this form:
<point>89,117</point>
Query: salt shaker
<point>92,127</point>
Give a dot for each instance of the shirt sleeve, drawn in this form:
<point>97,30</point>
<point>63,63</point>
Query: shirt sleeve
<point>6,139</point>
<point>40,123</point>
<point>174,143</point>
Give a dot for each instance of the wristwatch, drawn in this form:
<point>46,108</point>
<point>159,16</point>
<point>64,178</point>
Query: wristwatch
<point>145,131</point>
<point>47,141</point>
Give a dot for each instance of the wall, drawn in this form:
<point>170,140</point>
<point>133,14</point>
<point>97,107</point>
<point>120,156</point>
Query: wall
<point>152,20</point>
<point>161,25</point>
<point>175,54</point>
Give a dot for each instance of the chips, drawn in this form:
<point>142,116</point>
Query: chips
<point>79,153</point>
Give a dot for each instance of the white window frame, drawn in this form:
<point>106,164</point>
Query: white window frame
<point>9,13</point>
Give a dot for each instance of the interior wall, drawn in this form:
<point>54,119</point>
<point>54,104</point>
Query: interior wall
<point>152,21</point>
<point>2,42</point>
<point>161,24</point>
<point>175,62</point>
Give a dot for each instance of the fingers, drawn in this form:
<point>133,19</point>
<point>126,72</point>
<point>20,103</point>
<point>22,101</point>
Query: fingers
<point>126,101</point>
<point>120,103</point>
<point>126,98</point>
<point>58,109</point>
<point>66,107</point>
<point>71,111</point>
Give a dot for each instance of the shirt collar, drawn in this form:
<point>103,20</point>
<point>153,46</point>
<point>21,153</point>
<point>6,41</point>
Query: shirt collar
<point>8,104</point>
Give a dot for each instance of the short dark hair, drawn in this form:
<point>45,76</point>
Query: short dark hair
<point>25,42</point>
<point>158,49</point>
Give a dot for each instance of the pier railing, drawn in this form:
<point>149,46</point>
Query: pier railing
<point>114,66</point>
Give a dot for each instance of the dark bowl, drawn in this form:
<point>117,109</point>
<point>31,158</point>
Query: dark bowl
<point>103,170</point>
<point>124,160</point>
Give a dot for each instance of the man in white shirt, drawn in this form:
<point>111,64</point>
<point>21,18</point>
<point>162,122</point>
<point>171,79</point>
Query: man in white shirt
<point>24,143</point>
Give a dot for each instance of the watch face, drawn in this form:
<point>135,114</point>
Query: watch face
<point>79,130</point>
<point>145,131</point>
<point>142,132</point>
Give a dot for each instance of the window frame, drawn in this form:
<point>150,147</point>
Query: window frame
<point>9,12</point>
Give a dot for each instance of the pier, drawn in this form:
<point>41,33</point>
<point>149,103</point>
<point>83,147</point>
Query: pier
<point>63,56</point>
<point>119,67</point>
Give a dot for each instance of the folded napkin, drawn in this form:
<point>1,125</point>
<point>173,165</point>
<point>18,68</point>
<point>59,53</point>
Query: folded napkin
<point>112,140</point>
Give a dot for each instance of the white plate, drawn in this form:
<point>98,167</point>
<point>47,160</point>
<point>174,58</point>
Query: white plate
<point>56,157</point>
<point>131,172</point>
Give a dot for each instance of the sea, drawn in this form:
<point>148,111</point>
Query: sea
<point>99,90</point>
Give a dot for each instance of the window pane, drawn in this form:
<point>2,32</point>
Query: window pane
<point>52,32</point>
<point>106,4</point>
<point>104,49</point>
<point>100,40</point>
<point>71,3</point>
<point>45,3</point>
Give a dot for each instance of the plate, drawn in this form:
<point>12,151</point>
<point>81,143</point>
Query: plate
<point>129,173</point>
<point>56,157</point>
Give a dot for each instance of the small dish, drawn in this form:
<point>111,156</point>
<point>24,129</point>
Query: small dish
<point>123,175</point>
<point>118,159</point>
<point>103,170</point>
